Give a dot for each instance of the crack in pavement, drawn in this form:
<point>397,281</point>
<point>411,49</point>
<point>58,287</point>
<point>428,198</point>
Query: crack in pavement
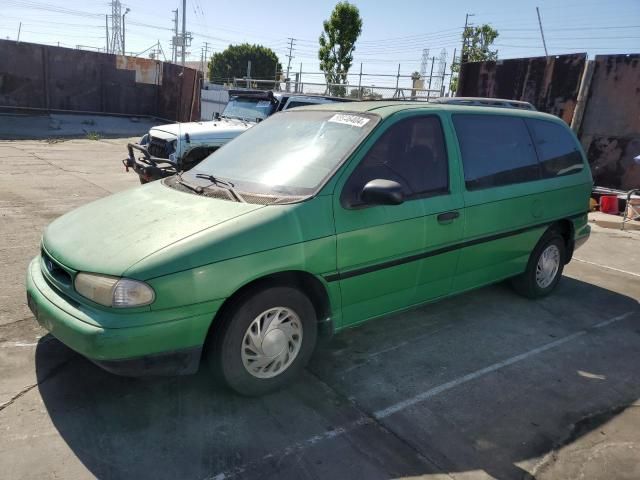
<point>73,173</point>
<point>54,371</point>
<point>15,321</point>
<point>576,430</point>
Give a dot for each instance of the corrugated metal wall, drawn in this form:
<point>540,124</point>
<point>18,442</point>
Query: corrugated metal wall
<point>55,78</point>
<point>610,131</point>
<point>551,84</point>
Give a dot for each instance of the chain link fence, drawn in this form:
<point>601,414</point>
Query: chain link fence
<point>359,86</point>
<point>357,92</point>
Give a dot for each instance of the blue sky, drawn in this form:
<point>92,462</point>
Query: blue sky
<point>393,32</point>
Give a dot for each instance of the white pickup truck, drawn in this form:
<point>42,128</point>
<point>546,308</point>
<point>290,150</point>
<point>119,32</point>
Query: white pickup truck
<point>168,149</point>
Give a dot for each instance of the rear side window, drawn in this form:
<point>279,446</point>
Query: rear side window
<point>557,150</point>
<point>297,103</point>
<point>496,150</point>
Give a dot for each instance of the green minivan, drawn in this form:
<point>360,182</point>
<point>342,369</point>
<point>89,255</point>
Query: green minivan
<point>315,220</point>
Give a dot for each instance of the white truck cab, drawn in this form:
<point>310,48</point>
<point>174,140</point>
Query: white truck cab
<point>168,149</point>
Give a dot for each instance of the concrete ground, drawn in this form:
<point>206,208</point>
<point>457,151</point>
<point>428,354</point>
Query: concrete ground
<point>62,125</point>
<point>482,385</point>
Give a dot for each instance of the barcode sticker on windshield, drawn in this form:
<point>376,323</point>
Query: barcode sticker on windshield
<point>347,119</point>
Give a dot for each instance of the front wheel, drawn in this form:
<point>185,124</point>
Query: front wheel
<point>544,268</point>
<point>265,340</point>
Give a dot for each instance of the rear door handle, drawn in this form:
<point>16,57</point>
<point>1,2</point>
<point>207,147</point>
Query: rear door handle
<point>448,216</point>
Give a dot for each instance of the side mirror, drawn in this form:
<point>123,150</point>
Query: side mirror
<point>382,192</point>
<point>216,116</point>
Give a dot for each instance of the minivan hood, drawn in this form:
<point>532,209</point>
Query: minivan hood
<point>111,234</point>
<point>223,128</point>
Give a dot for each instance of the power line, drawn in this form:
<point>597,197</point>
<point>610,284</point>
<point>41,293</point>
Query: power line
<point>49,8</point>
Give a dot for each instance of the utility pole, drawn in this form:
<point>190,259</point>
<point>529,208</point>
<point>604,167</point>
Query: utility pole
<point>544,44</point>
<point>184,29</point>
<point>123,30</point>
<point>174,43</point>
<point>19,28</point>
<point>206,58</point>
<point>463,52</point>
<point>290,56</point>
<point>106,27</point>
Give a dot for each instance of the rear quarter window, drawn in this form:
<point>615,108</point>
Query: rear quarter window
<point>496,150</point>
<point>557,150</point>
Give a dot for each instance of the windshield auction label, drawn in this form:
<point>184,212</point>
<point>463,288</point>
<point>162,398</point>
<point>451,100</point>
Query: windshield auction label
<point>348,119</point>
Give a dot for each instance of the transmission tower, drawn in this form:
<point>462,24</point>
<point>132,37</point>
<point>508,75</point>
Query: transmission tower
<point>116,27</point>
<point>442,64</point>
<point>425,62</point>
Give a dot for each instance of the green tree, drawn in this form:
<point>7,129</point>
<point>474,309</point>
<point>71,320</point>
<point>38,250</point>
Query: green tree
<point>232,62</point>
<point>476,48</point>
<point>364,94</point>
<point>337,44</point>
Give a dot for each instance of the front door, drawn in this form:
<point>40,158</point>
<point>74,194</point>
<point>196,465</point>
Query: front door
<point>392,257</point>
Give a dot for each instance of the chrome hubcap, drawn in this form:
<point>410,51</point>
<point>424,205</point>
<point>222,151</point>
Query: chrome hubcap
<point>272,342</point>
<point>547,267</point>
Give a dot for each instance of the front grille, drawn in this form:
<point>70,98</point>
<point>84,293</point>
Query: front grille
<point>158,147</point>
<point>54,269</point>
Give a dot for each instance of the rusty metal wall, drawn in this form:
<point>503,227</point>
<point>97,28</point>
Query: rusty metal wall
<point>55,78</point>
<point>179,95</point>
<point>610,130</point>
<point>551,84</point>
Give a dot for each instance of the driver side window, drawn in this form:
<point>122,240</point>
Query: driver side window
<point>411,152</point>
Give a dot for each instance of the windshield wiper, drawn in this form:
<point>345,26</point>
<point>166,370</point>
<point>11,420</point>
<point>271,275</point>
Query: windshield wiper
<point>194,188</point>
<point>221,183</point>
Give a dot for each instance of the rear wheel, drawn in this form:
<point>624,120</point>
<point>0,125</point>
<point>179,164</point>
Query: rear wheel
<point>544,268</point>
<point>265,340</point>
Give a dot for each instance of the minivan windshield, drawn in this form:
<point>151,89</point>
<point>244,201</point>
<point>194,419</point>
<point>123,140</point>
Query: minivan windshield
<point>290,153</point>
<point>250,109</point>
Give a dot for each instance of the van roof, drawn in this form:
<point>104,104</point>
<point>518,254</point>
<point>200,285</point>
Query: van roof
<point>385,108</point>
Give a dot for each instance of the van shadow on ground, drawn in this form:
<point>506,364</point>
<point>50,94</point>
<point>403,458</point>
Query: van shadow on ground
<point>323,426</point>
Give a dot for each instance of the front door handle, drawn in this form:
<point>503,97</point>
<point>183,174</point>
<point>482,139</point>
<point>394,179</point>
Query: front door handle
<point>448,216</point>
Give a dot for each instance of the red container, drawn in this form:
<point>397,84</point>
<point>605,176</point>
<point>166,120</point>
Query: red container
<point>609,204</point>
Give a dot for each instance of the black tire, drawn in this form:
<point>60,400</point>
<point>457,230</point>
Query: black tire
<point>225,356</point>
<point>143,180</point>
<point>526,283</point>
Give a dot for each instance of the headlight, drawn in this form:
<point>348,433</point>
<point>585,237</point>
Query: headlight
<point>145,139</point>
<point>113,291</point>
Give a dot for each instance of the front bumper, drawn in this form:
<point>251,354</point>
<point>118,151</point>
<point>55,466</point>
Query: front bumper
<point>148,167</point>
<point>166,348</point>
<point>180,362</point>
